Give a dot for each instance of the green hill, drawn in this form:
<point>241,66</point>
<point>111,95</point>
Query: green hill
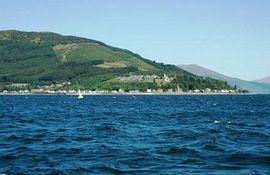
<point>44,58</point>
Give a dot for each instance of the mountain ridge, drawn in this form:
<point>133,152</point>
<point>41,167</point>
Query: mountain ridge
<point>264,80</point>
<point>253,87</point>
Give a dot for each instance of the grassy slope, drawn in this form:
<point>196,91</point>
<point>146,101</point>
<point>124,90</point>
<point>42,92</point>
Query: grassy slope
<point>83,52</point>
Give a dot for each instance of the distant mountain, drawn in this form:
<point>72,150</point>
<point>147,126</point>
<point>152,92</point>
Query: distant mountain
<point>46,58</point>
<point>253,87</point>
<point>264,80</point>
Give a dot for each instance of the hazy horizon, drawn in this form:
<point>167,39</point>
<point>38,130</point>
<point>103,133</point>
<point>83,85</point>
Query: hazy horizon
<point>229,37</point>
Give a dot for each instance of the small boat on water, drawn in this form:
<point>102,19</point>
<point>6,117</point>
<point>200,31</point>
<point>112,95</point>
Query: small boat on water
<point>79,92</point>
<point>80,95</point>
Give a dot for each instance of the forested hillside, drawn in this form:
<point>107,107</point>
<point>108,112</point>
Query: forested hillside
<point>44,58</point>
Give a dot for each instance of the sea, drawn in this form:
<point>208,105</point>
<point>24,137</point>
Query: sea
<point>135,134</point>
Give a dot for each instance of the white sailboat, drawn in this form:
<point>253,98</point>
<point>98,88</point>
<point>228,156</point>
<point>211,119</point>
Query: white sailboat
<point>79,93</point>
<point>178,89</point>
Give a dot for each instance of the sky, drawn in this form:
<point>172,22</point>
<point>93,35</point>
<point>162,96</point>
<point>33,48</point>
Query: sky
<point>228,36</point>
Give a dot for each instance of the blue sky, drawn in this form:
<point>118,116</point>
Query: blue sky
<point>229,36</point>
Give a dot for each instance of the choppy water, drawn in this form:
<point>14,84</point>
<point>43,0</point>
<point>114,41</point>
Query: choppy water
<point>135,135</point>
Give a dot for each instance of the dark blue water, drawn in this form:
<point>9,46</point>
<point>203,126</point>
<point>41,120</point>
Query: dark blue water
<point>135,135</point>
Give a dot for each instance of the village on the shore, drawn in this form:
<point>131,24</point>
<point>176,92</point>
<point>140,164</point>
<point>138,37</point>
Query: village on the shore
<point>120,91</point>
<point>21,88</point>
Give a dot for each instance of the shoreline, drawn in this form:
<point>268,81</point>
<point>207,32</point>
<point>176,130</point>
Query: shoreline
<point>148,94</point>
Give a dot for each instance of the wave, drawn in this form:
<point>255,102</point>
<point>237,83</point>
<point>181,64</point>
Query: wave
<point>183,152</point>
<point>59,140</point>
<point>112,169</point>
<point>244,158</point>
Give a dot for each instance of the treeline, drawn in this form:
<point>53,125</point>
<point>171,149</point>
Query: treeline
<point>15,51</point>
<point>85,70</point>
<point>48,38</point>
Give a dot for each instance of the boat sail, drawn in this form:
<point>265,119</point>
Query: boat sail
<point>178,89</point>
<point>79,92</point>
